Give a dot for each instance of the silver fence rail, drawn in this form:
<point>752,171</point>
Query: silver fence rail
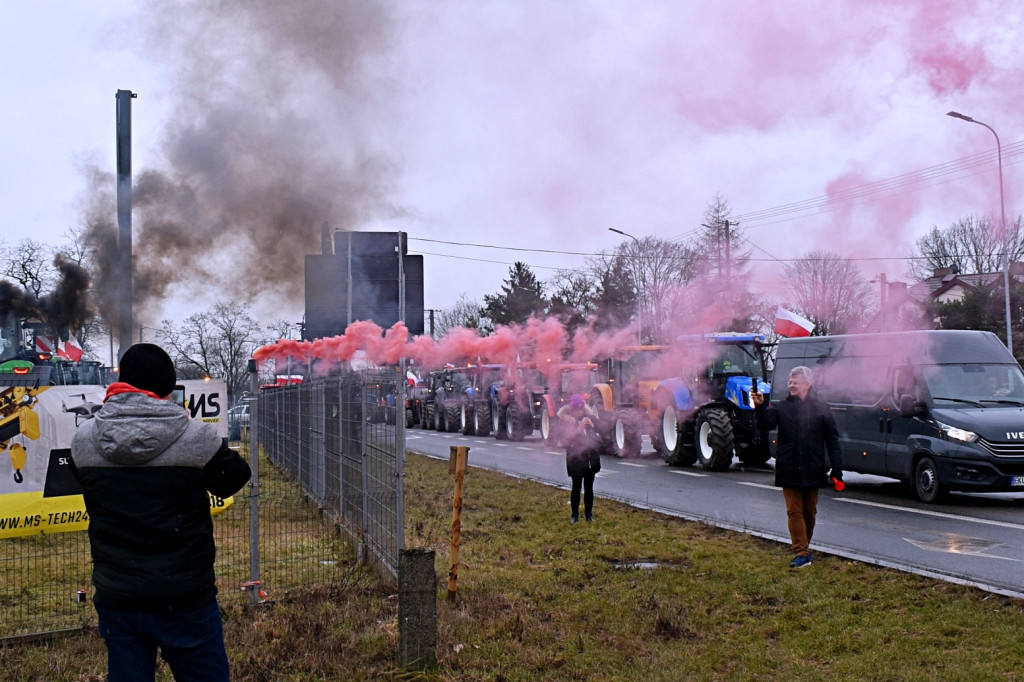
<point>332,455</point>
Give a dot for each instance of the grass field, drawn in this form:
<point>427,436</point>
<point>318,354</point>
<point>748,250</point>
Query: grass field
<point>635,595</point>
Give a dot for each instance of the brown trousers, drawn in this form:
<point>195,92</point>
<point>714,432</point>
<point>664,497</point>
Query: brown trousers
<point>801,510</point>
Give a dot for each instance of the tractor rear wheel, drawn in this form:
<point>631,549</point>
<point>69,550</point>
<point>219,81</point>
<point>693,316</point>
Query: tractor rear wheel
<point>466,424</point>
<point>626,435</point>
<point>714,439</point>
<point>498,421</point>
<point>451,417</point>
<point>545,426</point>
<point>670,433</point>
<point>517,422</point>
<point>482,419</point>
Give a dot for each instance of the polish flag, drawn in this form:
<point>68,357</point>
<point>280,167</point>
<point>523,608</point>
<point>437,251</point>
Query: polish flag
<point>70,350</point>
<point>788,323</point>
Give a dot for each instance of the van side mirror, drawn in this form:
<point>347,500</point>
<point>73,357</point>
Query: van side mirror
<point>910,407</point>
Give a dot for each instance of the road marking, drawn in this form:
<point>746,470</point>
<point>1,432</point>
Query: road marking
<point>925,512</point>
<point>520,447</point>
<point>552,452</point>
<point>633,464</point>
<point>687,473</point>
<point>500,445</point>
<point>757,485</point>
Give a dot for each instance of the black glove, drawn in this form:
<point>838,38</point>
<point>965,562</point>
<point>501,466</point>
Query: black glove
<point>836,474</point>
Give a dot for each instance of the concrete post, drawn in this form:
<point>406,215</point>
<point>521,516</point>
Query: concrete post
<point>417,608</point>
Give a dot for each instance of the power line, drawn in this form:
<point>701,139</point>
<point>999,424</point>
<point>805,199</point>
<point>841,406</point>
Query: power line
<point>873,191</point>
<point>920,179</point>
<point>503,248</point>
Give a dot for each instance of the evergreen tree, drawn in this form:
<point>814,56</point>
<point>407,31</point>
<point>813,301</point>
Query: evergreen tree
<point>521,296</point>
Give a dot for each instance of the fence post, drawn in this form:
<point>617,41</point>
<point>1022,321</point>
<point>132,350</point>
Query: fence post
<point>417,608</point>
<point>399,473</point>
<point>254,485</point>
<point>457,466</point>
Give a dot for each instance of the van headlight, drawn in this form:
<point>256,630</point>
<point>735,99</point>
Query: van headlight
<point>956,433</point>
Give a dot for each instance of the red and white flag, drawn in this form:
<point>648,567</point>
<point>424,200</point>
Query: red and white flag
<point>788,323</point>
<point>70,350</point>
<point>44,344</point>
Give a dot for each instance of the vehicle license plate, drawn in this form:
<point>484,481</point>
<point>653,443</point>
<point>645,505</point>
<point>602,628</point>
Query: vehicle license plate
<point>1017,480</point>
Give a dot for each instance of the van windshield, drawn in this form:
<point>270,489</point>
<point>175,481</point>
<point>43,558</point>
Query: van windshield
<point>990,385</point>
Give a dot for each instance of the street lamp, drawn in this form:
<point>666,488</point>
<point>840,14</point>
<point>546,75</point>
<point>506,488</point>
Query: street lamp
<point>640,303</point>
<point>1006,241</point>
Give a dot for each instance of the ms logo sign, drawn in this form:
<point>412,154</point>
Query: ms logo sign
<point>205,400</point>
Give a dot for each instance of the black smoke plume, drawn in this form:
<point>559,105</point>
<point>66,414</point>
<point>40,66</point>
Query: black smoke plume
<point>65,308</point>
<point>269,137</point>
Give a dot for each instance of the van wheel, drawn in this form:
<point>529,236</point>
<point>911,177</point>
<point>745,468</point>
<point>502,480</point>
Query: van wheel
<point>926,482</point>
<point>714,439</point>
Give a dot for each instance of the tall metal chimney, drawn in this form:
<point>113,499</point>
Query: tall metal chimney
<point>124,218</point>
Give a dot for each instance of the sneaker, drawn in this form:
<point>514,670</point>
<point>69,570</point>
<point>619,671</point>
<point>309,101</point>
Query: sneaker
<point>590,518</point>
<point>575,518</point>
<point>801,561</point>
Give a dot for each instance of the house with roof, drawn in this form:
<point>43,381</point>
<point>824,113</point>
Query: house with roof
<point>910,306</point>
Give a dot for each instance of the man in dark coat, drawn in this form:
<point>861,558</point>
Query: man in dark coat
<point>807,430</point>
<point>146,470</point>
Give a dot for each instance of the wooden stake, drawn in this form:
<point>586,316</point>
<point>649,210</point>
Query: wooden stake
<point>457,465</point>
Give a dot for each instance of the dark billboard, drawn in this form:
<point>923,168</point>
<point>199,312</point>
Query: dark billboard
<point>359,281</point>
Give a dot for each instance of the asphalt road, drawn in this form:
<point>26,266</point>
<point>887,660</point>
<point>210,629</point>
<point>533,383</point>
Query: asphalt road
<point>970,539</point>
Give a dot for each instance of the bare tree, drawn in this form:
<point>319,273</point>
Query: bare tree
<point>465,313</point>
<point>30,264</point>
<point>217,343</point>
<point>830,291</point>
<point>277,330</point>
<point>971,245</point>
<point>657,267</point>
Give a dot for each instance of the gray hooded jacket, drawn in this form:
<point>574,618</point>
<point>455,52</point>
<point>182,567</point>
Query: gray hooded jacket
<point>145,468</point>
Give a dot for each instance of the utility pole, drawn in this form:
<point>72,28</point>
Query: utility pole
<point>883,301</point>
<point>728,252</point>
<point>124,216</point>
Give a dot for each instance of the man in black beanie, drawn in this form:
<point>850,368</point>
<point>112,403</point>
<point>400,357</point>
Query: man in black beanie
<point>145,468</point>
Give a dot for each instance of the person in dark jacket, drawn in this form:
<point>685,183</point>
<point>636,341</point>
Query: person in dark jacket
<point>582,454</point>
<point>146,470</point>
<point>807,430</point>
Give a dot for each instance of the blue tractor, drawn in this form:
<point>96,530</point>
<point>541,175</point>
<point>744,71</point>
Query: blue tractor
<point>705,414</point>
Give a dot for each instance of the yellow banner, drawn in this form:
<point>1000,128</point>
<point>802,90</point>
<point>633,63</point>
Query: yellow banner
<point>38,493</point>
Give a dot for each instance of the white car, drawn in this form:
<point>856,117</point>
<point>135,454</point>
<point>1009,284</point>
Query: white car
<point>238,419</point>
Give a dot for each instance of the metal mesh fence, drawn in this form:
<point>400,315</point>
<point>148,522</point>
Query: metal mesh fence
<point>343,439</point>
<point>332,455</point>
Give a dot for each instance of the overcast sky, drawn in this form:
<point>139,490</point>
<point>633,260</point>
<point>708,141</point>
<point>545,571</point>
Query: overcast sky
<point>518,125</point>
